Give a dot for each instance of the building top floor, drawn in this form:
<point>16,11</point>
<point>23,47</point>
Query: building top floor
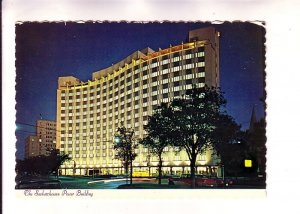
<point>196,38</point>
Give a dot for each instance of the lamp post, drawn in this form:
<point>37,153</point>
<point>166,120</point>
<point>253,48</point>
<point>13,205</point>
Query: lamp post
<point>124,144</point>
<point>74,168</point>
<point>118,142</point>
<point>148,164</point>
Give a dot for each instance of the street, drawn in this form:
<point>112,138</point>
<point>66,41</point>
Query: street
<point>143,183</point>
<point>89,183</point>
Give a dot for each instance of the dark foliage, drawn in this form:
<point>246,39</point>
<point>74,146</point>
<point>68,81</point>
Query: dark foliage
<point>195,117</point>
<point>125,146</point>
<point>41,165</point>
<point>158,133</point>
<point>256,145</point>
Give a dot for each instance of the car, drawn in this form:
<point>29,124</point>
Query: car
<point>201,181</point>
<point>39,184</point>
<point>185,179</point>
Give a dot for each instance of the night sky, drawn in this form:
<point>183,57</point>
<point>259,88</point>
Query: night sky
<point>46,51</point>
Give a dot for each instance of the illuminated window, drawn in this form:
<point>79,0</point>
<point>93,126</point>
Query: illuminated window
<point>165,71</point>
<point>165,81</point>
<point>175,59</point>
<point>189,76</point>
<point>177,68</point>
<point>189,56</point>
<point>154,65</point>
<point>189,86</point>
<point>154,83</point>
<point>200,64</point>
<point>176,78</point>
<point>154,74</point>
<point>201,74</point>
<point>200,54</point>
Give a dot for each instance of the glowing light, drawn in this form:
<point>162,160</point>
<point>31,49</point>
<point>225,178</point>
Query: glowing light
<point>248,163</point>
<point>202,162</point>
<point>117,139</point>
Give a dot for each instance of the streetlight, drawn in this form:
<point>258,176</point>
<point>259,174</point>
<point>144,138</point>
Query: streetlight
<point>148,164</point>
<point>118,141</point>
<point>74,168</point>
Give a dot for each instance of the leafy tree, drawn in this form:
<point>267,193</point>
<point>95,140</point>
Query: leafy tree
<point>227,143</point>
<point>158,133</point>
<point>194,120</point>
<point>42,165</point>
<point>57,159</point>
<point>125,146</point>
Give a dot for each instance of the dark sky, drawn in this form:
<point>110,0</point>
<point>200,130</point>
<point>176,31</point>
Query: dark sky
<point>46,51</point>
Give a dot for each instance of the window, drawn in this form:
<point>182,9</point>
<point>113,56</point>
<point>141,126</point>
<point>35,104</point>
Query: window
<point>154,74</point>
<point>188,61</point>
<point>154,79</point>
<point>165,76</point>
<point>175,54</point>
<point>154,70</point>
<point>202,74</point>
<point>189,81</point>
<point>201,69</point>
<point>200,64</point>
<point>188,51</point>
<point>189,71</point>
<point>200,49</point>
<point>166,66</point>
<point>200,59</point>
<point>165,61</point>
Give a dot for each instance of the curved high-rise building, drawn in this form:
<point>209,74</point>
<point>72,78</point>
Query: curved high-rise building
<point>89,113</point>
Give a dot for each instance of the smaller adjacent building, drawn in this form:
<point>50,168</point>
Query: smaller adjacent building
<point>44,141</point>
<point>32,147</point>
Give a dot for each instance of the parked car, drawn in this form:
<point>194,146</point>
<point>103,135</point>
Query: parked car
<point>39,184</point>
<point>185,179</point>
<point>201,181</point>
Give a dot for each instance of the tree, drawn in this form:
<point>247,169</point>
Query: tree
<point>57,159</point>
<point>194,120</point>
<point>158,134</point>
<point>125,146</point>
<point>42,165</point>
<point>227,143</point>
<point>256,142</point>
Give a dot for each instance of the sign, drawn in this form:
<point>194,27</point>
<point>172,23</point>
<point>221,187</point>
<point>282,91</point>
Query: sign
<point>248,163</point>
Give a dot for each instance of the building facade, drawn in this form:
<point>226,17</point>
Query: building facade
<point>44,141</point>
<point>32,147</point>
<point>46,132</point>
<point>89,113</point>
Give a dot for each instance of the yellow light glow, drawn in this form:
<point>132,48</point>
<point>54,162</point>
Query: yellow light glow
<point>248,163</point>
<point>202,162</point>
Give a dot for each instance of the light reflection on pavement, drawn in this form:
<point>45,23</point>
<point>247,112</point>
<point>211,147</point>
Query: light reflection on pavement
<point>89,183</point>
